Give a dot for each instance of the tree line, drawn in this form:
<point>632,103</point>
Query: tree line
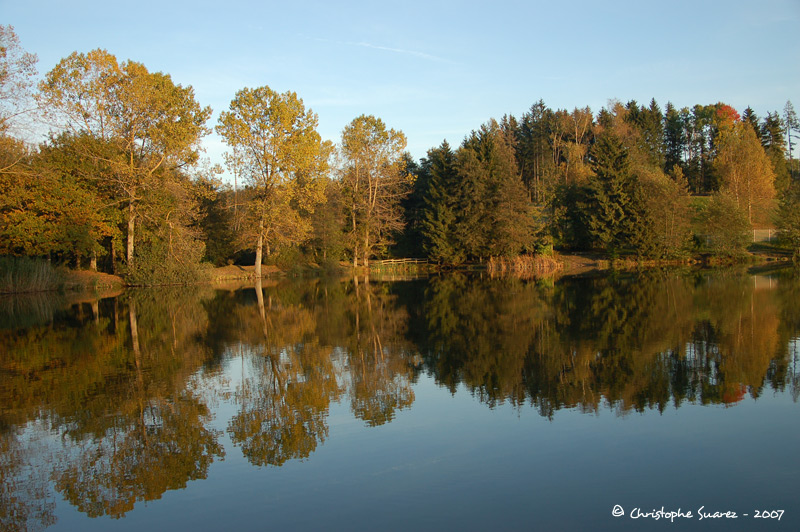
<point>119,184</point>
<point>632,179</point>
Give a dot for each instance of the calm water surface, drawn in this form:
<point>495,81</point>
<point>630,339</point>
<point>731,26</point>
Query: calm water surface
<point>450,403</point>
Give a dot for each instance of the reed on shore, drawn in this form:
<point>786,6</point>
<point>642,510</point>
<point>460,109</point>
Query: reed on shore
<point>20,275</point>
<point>524,266</point>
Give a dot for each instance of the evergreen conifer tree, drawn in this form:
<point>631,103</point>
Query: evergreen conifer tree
<point>440,206</point>
<point>611,206</point>
<point>674,138</point>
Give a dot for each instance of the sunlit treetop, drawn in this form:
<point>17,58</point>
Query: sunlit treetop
<point>17,73</point>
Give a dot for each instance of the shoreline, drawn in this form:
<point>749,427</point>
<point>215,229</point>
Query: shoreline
<point>85,282</point>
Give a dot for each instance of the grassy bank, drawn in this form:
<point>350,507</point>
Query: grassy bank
<point>756,254</point>
<point>234,272</point>
<point>84,280</point>
<point>23,275</point>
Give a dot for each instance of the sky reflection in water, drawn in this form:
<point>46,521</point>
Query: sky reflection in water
<point>433,404</point>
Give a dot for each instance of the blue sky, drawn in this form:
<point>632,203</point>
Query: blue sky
<point>435,69</point>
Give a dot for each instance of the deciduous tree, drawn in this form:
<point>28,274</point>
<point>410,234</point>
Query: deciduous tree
<point>725,225</point>
<point>142,122</point>
<point>278,151</point>
<point>743,167</point>
<point>17,74</point>
<point>374,180</point>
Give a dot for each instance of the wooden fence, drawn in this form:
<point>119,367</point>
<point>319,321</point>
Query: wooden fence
<point>757,235</point>
<point>397,262</point>
<point>765,235</point>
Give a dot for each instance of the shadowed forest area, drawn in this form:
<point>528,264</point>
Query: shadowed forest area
<point>119,185</point>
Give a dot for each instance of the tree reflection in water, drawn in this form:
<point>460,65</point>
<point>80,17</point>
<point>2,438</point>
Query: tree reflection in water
<point>130,384</point>
<point>117,384</point>
<point>293,375</point>
<point>627,341</point>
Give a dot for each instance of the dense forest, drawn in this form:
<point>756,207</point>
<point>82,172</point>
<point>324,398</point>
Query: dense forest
<point>119,185</point>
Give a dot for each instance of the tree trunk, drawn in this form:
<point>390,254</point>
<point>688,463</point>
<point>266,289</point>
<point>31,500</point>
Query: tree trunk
<point>131,227</point>
<point>260,298</point>
<point>366,250</point>
<point>357,308</point>
<point>259,248</point>
<point>137,353</point>
<point>355,241</point>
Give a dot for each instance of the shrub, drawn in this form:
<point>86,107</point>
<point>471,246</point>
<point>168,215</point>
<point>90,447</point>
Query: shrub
<point>156,265</point>
<point>725,226</point>
<point>789,220</point>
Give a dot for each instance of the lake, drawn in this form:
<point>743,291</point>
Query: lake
<point>621,401</point>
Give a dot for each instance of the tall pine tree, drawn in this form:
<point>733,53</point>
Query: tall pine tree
<point>439,213</point>
<point>611,206</point>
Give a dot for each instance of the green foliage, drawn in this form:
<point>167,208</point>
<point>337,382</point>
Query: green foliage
<point>663,229</point>
<point>650,123</point>
<point>775,145</point>
<point>725,226</point>
<point>792,125</point>
<point>536,146</point>
<point>476,204</point>
<point>410,241</point>
<point>568,223</point>
<point>328,231</point>
<point>215,219</point>
<point>47,208</point>
<point>115,171</point>
<point>288,259</point>
<point>159,265</point>
<point>674,138</point>
<point>136,124</point>
<point>510,213</point>
<point>789,220</point>
<point>439,213</point>
<point>611,209</point>
<point>170,249</point>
